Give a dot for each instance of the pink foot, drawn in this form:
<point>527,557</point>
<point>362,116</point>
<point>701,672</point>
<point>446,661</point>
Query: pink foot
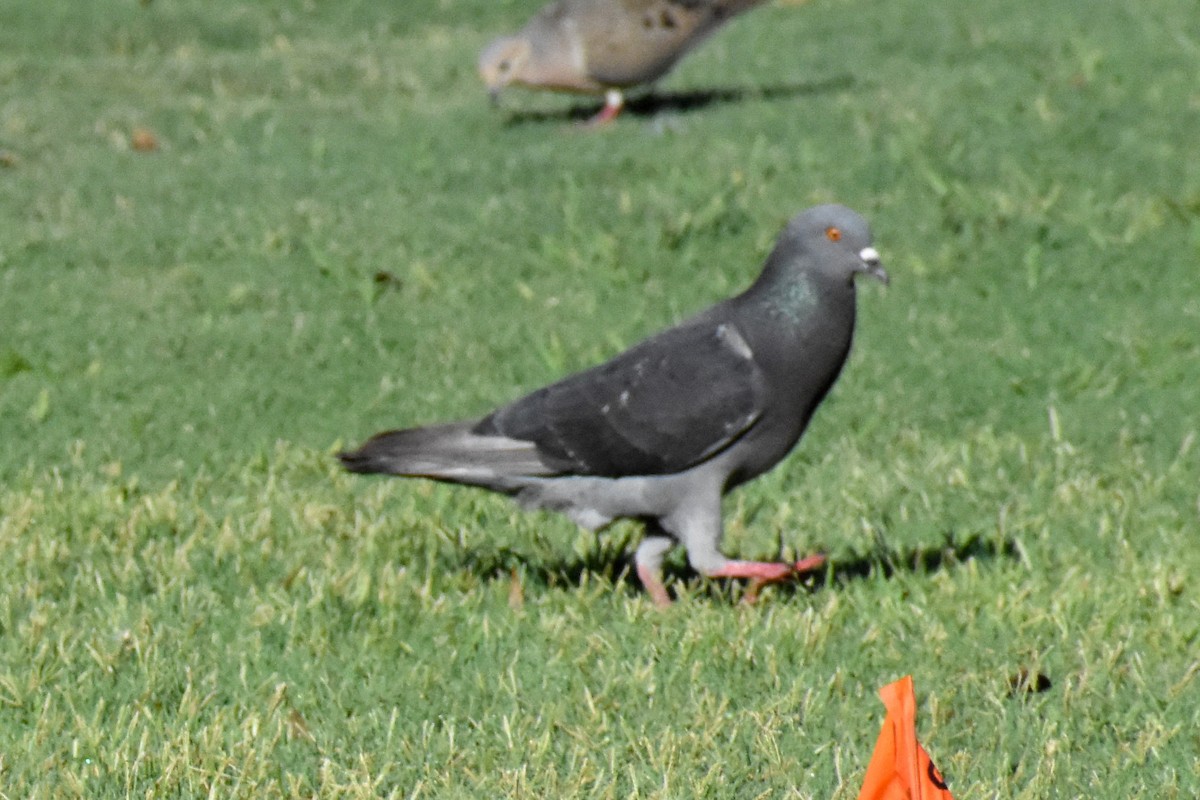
<point>614,101</point>
<point>654,586</point>
<point>760,574</point>
<point>763,572</point>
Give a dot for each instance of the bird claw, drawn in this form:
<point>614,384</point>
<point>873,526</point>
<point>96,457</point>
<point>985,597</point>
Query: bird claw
<point>767,571</point>
<point>750,596</point>
<point>810,564</point>
<point>760,574</point>
<point>783,571</point>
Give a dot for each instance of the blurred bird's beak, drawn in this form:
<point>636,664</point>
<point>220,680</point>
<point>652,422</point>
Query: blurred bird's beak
<point>494,97</point>
<point>873,266</point>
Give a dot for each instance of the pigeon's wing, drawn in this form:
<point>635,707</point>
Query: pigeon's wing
<point>663,406</point>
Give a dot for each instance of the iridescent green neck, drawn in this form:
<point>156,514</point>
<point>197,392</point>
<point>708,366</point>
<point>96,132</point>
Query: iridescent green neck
<point>793,299</point>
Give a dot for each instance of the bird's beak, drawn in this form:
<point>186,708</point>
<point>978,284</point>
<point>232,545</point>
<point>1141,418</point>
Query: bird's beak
<point>872,265</point>
<point>494,96</point>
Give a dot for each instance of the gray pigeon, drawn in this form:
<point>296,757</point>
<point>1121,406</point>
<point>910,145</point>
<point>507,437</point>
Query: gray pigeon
<point>663,430</point>
<point>603,46</point>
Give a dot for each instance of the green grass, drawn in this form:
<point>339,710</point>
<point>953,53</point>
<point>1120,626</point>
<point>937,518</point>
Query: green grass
<point>337,234</point>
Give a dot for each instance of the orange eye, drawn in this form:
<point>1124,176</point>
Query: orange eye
<point>833,234</point>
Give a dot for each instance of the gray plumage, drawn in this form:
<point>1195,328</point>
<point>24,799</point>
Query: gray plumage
<point>663,430</point>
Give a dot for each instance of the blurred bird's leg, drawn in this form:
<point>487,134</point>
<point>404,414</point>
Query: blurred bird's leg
<point>767,571</point>
<point>648,559</point>
<point>801,567</point>
<point>700,532</point>
<point>761,573</point>
<point>614,101</point>
<point>810,564</point>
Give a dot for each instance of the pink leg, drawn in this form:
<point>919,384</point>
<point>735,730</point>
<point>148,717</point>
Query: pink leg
<point>614,101</point>
<point>654,586</point>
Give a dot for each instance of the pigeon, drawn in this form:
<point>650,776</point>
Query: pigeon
<point>662,431</point>
<point>603,46</point>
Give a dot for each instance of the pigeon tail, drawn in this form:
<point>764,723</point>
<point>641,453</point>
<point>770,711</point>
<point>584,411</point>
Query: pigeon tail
<point>449,452</point>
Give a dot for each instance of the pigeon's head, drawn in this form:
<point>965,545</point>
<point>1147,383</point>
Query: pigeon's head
<point>832,241</point>
<point>501,62</point>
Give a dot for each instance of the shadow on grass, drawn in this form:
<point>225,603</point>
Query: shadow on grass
<point>611,561</point>
<point>887,562</point>
<point>652,104</point>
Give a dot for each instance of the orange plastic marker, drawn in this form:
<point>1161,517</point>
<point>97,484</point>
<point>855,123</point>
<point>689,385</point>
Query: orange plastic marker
<point>900,769</point>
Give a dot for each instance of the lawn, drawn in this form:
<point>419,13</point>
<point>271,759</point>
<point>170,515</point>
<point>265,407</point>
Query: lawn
<point>237,237</point>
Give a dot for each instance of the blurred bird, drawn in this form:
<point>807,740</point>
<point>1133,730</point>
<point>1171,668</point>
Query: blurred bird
<point>603,46</point>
